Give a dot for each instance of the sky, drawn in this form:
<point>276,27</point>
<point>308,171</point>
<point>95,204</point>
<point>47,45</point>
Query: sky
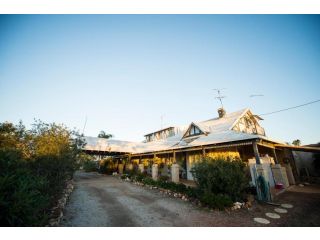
<point>123,72</point>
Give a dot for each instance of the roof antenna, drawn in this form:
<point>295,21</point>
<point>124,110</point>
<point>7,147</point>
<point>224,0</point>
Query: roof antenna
<point>85,123</point>
<point>221,110</point>
<point>219,95</point>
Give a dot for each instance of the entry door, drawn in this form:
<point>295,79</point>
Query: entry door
<point>191,160</point>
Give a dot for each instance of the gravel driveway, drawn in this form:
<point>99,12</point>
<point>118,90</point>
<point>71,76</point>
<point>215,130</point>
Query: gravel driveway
<point>100,200</point>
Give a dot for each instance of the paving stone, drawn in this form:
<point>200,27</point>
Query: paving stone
<point>272,215</point>
<point>261,220</point>
<point>280,210</point>
<point>286,205</point>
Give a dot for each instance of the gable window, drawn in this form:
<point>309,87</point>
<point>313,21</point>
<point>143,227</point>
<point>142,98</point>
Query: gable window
<point>193,130</point>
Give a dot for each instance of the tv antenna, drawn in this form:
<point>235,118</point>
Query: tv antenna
<point>219,95</point>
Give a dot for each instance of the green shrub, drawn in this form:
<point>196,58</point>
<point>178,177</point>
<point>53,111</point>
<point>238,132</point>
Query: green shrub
<point>149,181</point>
<point>124,176</point>
<point>192,192</point>
<point>221,176</point>
<point>163,184</point>
<point>181,188</point>
<point>164,178</point>
<point>24,198</point>
<point>107,166</point>
<point>218,201</point>
<point>140,176</point>
<point>131,172</point>
<point>90,166</point>
<point>35,165</point>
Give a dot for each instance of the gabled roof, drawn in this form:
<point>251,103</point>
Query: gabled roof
<point>220,124</point>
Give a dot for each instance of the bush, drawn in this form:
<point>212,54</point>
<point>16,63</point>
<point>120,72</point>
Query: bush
<point>124,176</point>
<point>181,188</point>
<point>149,181</point>
<point>192,192</point>
<point>140,176</point>
<point>164,178</point>
<point>221,176</point>
<point>165,184</point>
<point>214,201</point>
<point>219,182</point>
<point>130,173</point>
<point>35,165</point>
<point>90,166</point>
<point>107,166</point>
<point>218,201</point>
<point>24,197</point>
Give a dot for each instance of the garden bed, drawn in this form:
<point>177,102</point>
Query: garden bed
<point>186,193</point>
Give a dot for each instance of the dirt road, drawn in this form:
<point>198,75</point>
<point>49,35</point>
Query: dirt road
<point>100,200</point>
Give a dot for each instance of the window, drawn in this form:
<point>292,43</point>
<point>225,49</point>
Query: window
<point>196,130</point>
<point>193,130</point>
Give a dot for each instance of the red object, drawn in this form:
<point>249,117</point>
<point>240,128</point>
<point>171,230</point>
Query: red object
<point>279,186</point>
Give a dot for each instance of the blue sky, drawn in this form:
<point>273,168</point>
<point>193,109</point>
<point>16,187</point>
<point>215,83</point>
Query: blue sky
<point>124,71</point>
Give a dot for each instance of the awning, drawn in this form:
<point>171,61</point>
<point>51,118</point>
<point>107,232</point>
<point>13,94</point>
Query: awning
<point>299,148</point>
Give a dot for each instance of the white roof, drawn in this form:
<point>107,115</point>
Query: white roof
<point>109,145</point>
<point>219,131</point>
<point>225,123</point>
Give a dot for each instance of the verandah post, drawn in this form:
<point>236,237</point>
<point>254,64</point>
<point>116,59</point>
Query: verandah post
<point>174,169</point>
<point>154,169</point>
<point>256,152</point>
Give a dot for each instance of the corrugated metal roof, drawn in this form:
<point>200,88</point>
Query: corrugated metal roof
<point>218,129</point>
<point>159,131</point>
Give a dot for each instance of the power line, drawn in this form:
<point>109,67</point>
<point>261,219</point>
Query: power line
<point>290,108</point>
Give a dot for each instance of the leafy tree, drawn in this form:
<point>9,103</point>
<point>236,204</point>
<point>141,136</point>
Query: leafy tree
<point>35,165</point>
<point>296,142</point>
<point>103,134</point>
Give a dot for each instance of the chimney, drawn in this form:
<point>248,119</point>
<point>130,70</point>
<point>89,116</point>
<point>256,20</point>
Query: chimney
<point>221,112</point>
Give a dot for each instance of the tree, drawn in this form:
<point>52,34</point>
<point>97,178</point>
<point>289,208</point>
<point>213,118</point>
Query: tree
<point>296,142</point>
<point>35,165</point>
<point>103,134</point>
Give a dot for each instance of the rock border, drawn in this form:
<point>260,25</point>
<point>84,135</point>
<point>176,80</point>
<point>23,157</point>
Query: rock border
<point>183,197</point>
<point>56,213</point>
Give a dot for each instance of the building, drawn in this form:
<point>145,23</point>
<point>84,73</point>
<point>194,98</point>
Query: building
<point>233,134</point>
